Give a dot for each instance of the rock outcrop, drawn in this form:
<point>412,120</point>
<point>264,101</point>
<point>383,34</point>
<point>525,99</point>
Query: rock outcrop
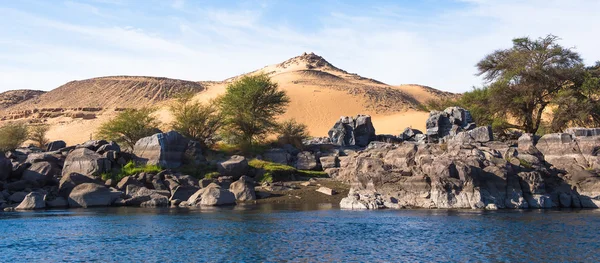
<point>87,162</point>
<point>243,189</point>
<point>89,195</point>
<point>357,131</point>
<point>449,122</point>
<point>168,150</point>
<point>235,166</point>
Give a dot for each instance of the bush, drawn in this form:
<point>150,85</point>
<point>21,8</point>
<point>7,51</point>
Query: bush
<point>129,126</point>
<point>249,107</point>
<point>12,135</point>
<point>131,168</point>
<point>279,172</point>
<point>212,175</point>
<point>38,135</point>
<point>195,120</point>
<point>292,132</point>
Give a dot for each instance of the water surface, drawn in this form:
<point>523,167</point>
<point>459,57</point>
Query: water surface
<point>271,233</point>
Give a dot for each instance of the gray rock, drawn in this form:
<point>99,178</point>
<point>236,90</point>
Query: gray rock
<point>57,202</point>
<point>357,131</point>
<point>409,134</point>
<point>168,150</point>
<point>69,181</point>
<point>86,162</point>
<point>306,161</point>
<point>127,180</point>
<point>183,192</point>
<point>277,155</point>
<point>40,173</point>
<point>326,190</point>
<point>89,195</point>
<point>329,162</point>
<point>243,189</point>
<point>111,146</point>
<point>5,167</point>
<point>212,195</point>
<point>451,121</point>
<point>33,200</point>
<point>235,166</point>
<point>17,197</point>
<point>55,146</point>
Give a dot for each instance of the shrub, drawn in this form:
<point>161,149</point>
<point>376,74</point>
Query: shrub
<point>292,132</point>
<point>212,175</point>
<point>249,107</point>
<point>38,135</point>
<point>131,168</point>
<point>129,126</point>
<point>280,172</point>
<point>12,135</point>
<point>195,120</point>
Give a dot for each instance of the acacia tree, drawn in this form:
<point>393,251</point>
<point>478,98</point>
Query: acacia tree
<point>129,126</point>
<point>195,120</point>
<point>526,78</point>
<point>12,135</point>
<point>249,107</point>
<point>37,134</point>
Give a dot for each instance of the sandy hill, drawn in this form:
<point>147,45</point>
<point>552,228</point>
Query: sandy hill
<point>13,97</point>
<point>320,93</point>
<point>110,92</point>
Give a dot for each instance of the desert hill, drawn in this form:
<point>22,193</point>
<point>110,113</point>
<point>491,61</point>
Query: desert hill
<point>14,97</point>
<point>320,93</point>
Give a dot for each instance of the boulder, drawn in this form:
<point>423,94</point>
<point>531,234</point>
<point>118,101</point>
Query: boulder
<point>243,189</point>
<point>33,200</point>
<point>329,162</point>
<point>17,197</point>
<point>57,202</point>
<point>92,145</point>
<point>409,134</point>
<point>144,197</point>
<point>87,162</point>
<point>127,180</point>
<point>325,190</point>
<point>40,173</point>
<point>306,161</point>
<point>357,131</point>
<point>111,146</point>
<point>6,167</point>
<point>277,155</point>
<point>562,151</point>
<point>55,146</point>
<point>479,134</point>
<point>183,192</point>
<point>451,121</point>
<point>235,166</point>
<point>89,195</point>
<point>212,195</point>
<point>69,181</point>
<point>168,150</point>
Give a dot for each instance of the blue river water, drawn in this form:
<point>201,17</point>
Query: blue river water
<point>279,233</point>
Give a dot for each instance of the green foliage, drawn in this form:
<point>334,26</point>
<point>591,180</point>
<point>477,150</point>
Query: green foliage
<point>195,120</point>
<point>525,164</point>
<point>106,176</point>
<point>131,168</point>
<point>37,134</point>
<point>526,78</point>
<point>212,175</point>
<point>579,105</point>
<point>249,108</point>
<point>292,132</point>
<point>129,126</point>
<point>252,150</point>
<point>197,171</point>
<point>272,171</point>
<point>12,135</point>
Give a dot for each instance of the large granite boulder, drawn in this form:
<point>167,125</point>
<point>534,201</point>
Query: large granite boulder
<point>55,146</point>
<point>145,197</point>
<point>562,151</point>
<point>33,200</point>
<point>449,122</point>
<point>479,134</point>
<point>243,189</point>
<point>89,195</point>
<point>235,166</point>
<point>69,181</point>
<point>277,155</point>
<point>212,195</point>
<point>41,172</point>
<point>87,162</point>
<point>306,161</point>
<point>357,131</point>
<point>168,150</point>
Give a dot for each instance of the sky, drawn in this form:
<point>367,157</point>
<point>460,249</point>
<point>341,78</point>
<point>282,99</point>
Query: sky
<point>44,44</point>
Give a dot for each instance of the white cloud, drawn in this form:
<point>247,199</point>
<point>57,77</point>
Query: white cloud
<point>208,43</point>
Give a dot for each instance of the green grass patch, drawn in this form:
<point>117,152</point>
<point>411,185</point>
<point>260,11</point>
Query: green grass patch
<point>270,172</point>
<point>212,175</point>
<point>525,164</point>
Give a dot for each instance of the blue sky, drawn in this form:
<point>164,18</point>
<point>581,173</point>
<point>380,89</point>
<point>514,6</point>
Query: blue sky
<point>44,44</point>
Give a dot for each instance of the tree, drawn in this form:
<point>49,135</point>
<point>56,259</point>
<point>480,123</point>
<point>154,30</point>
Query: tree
<point>12,135</point>
<point>526,78</point>
<point>195,120</point>
<point>249,107</point>
<point>129,126</point>
<point>579,105</point>
<point>37,134</point>
<point>292,132</point>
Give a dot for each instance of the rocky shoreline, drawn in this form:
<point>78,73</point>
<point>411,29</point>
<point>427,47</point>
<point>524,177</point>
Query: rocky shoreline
<point>454,164</point>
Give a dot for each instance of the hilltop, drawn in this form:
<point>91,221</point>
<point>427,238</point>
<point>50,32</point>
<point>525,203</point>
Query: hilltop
<point>14,97</point>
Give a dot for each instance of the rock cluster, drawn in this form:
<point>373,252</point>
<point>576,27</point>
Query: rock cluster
<point>449,122</point>
<point>357,131</point>
<point>558,170</point>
